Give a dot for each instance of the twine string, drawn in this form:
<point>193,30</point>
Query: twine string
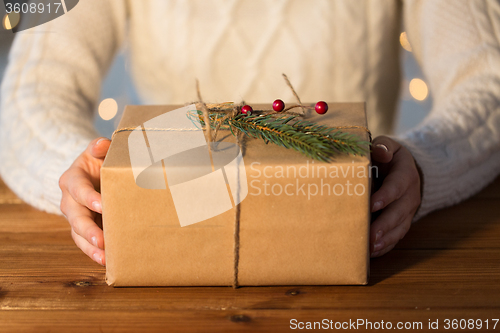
<point>230,114</point>
<point>171,129</point>
<point>208,126</point>
<point>206,117</point>
<point>236,242</point>
<point>289,84</point>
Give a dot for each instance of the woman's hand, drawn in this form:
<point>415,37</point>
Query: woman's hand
<point>398,197</point>
<point>81,201</point>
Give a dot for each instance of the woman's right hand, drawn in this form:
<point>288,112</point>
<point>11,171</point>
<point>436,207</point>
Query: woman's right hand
<point>81,201</point>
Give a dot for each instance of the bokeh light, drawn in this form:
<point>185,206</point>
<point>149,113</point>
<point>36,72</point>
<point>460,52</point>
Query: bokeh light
<point>108,109</point>
<point>418,89</point>
<point>403,39</point>
<point>11,20</point>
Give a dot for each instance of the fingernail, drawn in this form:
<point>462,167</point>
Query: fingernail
<point>378,246</point>
<point>99,141</point>
<point>97,258</point>
<point>377,206</point>
<point>94,241</point>
<point>377,236</point>
<point>96,206</point>
<point>381,145</point>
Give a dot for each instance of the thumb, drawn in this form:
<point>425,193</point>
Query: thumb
<point>99,147</point>
<point>383,149</point>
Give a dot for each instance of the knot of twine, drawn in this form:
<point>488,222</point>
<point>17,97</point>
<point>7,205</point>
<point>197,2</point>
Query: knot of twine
<point>231,112</point>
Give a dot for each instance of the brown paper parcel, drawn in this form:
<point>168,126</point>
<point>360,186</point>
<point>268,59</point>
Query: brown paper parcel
<point>301,222</point>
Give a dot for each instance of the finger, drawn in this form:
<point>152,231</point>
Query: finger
<point>82,190</point>
<point>390,240</point>
<point>402,174</point>
<point>383,149</point>
<point>82,222</point>
<point>93,252</point>
<point>391,218</point>
<point>382,252</point>
<point>393,187</point>
<point>98,148</point>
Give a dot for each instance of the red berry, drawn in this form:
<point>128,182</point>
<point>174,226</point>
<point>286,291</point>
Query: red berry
<point>278,105</point>
<point>321,107</point>
<point>246,110</point>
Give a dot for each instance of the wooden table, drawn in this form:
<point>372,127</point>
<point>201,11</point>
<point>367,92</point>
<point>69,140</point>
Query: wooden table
<point>447,267</point>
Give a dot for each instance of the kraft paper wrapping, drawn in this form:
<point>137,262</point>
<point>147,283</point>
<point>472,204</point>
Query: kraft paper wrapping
<point>303,222</point>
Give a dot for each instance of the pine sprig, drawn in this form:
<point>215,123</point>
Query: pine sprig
<point>279,132</point>
<point>315,141</point>
<point>342,141</point>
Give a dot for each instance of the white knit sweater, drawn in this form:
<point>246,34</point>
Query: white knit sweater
<point>340,50</point>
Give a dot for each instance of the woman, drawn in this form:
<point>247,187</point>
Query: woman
<point>334,50</point>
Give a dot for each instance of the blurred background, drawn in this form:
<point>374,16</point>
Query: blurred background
<point>118,89</point>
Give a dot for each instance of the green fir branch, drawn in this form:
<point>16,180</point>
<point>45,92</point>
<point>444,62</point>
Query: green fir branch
<point>315,141</point>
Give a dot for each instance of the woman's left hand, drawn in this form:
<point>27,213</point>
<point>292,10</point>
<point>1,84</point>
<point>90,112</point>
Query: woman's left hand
<point>398,198</point>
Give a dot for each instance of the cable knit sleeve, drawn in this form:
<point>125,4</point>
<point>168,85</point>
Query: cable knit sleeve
<point>458,145</point>
<point>49,92</point>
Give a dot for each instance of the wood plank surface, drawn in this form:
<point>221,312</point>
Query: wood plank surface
<point>265,320</point>
<point>448,266</point>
